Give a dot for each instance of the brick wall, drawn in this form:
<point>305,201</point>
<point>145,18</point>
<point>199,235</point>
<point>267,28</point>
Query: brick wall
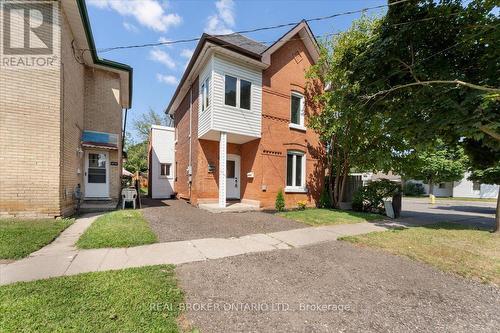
<point>41,120</point>
<point>72,120</point>
<point>285,74</point>
<point>265,157</point>
<point>30,132</point>
<point>181,123</point>
<point>103,113</point>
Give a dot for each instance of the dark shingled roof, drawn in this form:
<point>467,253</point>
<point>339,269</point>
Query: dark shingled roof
<point>243,42</point>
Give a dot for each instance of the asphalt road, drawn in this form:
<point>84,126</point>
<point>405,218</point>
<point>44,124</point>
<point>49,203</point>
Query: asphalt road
<point>477,213</point>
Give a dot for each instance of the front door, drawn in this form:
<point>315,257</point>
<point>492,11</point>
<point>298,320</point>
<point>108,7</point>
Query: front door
<point>96,174</point>
<point>233,177</point>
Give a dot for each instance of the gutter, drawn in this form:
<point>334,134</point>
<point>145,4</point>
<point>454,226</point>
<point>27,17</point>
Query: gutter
<point>95,58</point>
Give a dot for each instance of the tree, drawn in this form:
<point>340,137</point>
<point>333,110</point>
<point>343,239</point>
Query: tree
<point>432,70</point>
<point>437,164</point>
<point>143,125</point>
<point>137,157</point>
<point>137,152</point>
<point>353,138</point>
<point>485,168</point>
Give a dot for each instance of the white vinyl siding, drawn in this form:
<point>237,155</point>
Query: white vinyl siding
<point>234,119</point>
<point>205,116</point>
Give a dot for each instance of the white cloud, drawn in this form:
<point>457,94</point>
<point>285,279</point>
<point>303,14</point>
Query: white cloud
<point>149,13</point>
<point>130,27</point>
<point>223,21</point>
<point>168,79</point>
<point>165,40</point>
<point>162,57</point>
<point>187,53</point>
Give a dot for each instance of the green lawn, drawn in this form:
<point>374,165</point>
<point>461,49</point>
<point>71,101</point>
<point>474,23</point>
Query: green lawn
<point>321,216</point>
<point>19,238</point>
<point>131,300</point>
<point>121,228</point>
<point>450,247</point>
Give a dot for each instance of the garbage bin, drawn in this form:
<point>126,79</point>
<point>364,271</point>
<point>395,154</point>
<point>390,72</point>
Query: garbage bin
<point>389,211</point>
<point>396,204</point>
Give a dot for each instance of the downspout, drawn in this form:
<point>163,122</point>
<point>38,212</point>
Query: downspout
<point>190,166</point>
<point>124,128</point>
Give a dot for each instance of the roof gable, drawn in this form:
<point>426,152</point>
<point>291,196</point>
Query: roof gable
<point>305,33</point>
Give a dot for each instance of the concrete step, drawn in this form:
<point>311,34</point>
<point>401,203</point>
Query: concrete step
<point>94,206</point>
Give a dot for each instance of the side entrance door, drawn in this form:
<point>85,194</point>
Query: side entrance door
<point>233,177</point>
<point>96,174</point>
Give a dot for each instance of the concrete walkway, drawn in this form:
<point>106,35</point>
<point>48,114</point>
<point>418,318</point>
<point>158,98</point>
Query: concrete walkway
<point>62,258</point>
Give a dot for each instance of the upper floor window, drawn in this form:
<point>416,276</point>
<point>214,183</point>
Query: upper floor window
<point>295,171</point>
<point>205,94</point>
<point>238,92</point>
<point>230,91</point>
<point>165,169</point>
<point>297,109</point>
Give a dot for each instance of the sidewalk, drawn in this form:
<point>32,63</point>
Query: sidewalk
<point>62,258</point>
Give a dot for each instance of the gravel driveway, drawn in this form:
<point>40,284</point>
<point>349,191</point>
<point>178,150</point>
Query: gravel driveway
<point>341,288</point>
<point>174,220</point>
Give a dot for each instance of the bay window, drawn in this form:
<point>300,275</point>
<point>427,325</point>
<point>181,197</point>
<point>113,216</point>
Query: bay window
<point>205,94</point>
<point>237,92</point>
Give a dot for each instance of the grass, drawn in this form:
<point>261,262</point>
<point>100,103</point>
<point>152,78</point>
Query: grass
<point>450,247</point>
<point>19,238</point>
<point>322,216</point>
<point>121,228</point>
<point>132,300</point>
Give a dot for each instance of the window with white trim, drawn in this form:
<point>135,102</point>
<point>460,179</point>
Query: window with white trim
<point>295,170</point>
<point>297,109</point>
<point>205,94</point>
<point>237,92</point>
<point>476,186</point>
<point>165,169</point>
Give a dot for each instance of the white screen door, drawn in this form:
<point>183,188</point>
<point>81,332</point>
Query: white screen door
<point>96,175</point>
<point>233,177</point>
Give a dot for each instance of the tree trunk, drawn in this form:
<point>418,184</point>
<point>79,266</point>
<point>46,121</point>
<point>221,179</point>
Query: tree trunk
<point>497,216</point>
<point>431,187</point>
<point>345,176</point>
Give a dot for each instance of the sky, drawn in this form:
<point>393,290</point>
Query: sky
<point>157,70</point>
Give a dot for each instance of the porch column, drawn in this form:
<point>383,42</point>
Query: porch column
<point>222,168</point>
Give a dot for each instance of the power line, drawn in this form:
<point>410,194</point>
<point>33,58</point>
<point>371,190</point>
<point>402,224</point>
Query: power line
<point>314,19</point>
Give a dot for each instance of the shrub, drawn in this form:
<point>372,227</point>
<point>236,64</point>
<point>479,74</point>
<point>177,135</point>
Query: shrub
<point>413,189</point>
<point>370,198</point>
<point>301,205</point>
<point>324,199</point>
<point>280,201</point>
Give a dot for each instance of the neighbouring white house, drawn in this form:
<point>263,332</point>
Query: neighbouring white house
<point>463,188</point>
<point>161,160</point>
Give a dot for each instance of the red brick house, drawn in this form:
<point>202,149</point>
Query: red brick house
<point>241,119</point>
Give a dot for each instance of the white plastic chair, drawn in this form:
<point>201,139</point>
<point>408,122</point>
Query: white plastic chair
<point>128,195</point>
